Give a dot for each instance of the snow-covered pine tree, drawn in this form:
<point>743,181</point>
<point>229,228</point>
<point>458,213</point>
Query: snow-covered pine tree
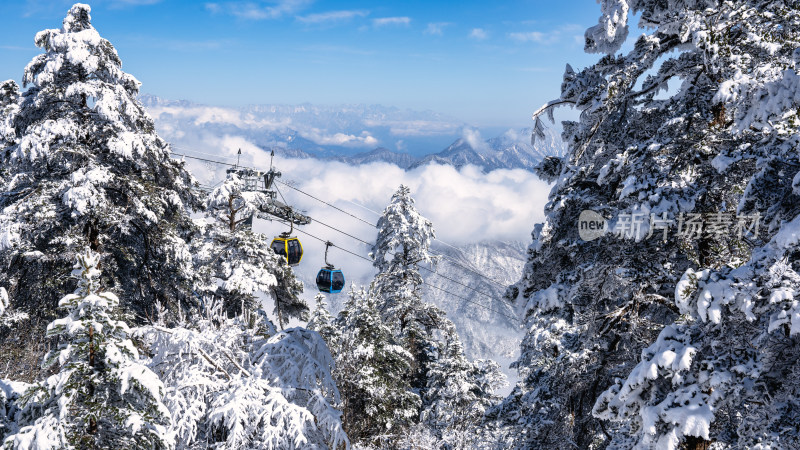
<point>322,322</point>
<point>237,262</point>
<point>453,398</point>
<point>403,243</point>
<point>458,392</point>
<point>85,168</point>
<point>231,385</point>
<point>101,397</point>
<point>371,372</point>
<point>9,99</point>
<point>645,163</point>
<point>726,371</point>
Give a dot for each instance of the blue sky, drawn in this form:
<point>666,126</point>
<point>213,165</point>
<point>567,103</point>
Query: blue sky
<point>490,63</point>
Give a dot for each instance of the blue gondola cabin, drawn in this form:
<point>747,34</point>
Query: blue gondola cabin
<point>330,280</point>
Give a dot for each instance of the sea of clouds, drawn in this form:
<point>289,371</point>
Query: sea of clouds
<point>465,205</point>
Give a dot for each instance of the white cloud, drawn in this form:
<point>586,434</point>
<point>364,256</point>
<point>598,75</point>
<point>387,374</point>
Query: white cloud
<point>340,139</point>
<point>478,34</point>
<point>473,137</point>
<point>436,28</point>
<point>384,21</point>
<point>465,206</point>
<point>174,118</point>
<point>547,37</point>
<point>258,10</point>
<point>332,16</point>
<point>410,128</point>
<point>530,36</point>
<point>202,115</point>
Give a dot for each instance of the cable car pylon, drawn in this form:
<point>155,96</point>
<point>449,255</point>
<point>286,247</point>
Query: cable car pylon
<point>263,182</point>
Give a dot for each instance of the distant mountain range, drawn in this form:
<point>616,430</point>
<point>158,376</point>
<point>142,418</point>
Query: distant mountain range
<point>338,133</point>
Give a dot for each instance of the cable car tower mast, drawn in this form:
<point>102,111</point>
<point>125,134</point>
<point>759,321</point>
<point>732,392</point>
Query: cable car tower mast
<point>264,182</point>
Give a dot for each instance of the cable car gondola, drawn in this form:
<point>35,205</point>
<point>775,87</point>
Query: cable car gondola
<point>330,279</point>
<point>288,246</point>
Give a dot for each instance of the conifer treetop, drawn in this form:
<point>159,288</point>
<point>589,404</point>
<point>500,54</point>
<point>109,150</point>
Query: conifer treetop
<point>81,72</point>
<point>404,235</point>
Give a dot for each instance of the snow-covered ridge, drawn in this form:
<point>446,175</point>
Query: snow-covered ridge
<point>354,134</point>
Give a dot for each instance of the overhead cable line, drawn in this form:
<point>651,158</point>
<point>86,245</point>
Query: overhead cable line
<point>323,201</point>
<point>423,281</point>
<point>421,267</point>
<point>435,253</point>
<point>367,222</point>
<point>365,258</point>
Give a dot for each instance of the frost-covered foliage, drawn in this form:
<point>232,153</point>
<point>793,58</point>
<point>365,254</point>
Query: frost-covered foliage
<point>9,99</point>
<point>322,322</point>
<point>727,371</point>
<point>237,262</point>
<point>403,243</point>
<point>82,166</point>
<point>721,142</point>
<point>458,392</point>
<point>372,374</point>
<point>452,390</point>
<point>8,316</point>
<point>101,396</point>
<point>10,394</point>
<point>231,385</point>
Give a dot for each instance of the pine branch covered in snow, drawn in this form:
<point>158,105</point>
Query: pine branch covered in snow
<point>101,395</point>
<point>10,394</point>
<point>228,386</point>
<point>699,117</point>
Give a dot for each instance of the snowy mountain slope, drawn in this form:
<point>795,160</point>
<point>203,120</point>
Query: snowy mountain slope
<point>486,323</point>
<point>353,134</point>
<point>402,160</point>
<point>323,131</point>
<point>511,150</point>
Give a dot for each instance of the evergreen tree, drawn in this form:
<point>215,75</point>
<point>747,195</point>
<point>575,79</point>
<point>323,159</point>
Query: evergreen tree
<point>101,397</point>
<point>370,369</point>
<point>453,396</point>
<point>404,238</point>
<point>9,98</point>
<point>238,262</point>
<point>458,392</point>
<point>726,370</point>
<point>402,244</point>
<point>85,168</point>
<point>322,322</point>
<point>593,306</point>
